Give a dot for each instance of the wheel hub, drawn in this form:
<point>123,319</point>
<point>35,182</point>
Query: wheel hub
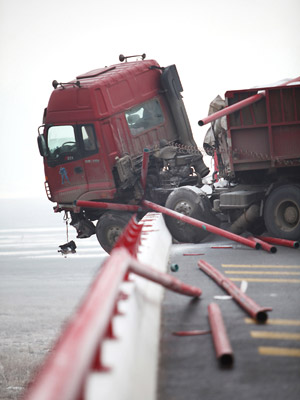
<point>113,234</point>
<point>183,208</point>
<point>288,215</point>
<point>291,215</point>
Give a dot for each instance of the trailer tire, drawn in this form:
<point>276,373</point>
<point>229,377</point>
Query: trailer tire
<point>196,205</point>
<point>109,227</point>
<point>282,212</point>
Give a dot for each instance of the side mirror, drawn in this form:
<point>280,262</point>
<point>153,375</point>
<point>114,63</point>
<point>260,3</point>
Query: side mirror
<point>42,146</point>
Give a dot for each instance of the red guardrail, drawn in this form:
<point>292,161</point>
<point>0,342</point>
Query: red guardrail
<point>78,350</point>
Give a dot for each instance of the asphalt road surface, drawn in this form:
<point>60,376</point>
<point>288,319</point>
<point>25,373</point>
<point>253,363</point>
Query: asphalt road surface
<point>39,290</point>
<point>266,356</point>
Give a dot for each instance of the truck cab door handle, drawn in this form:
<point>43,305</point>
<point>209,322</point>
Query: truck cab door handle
<point>78,170</point>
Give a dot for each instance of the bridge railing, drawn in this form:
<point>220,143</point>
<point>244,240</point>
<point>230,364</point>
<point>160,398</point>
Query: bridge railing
<point>78,351</point>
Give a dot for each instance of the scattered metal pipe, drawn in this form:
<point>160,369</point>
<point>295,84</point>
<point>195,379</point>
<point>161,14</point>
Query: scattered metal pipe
<point>221,342</point>
<point>241,104</point>
<point>109,206</point>
<point>257,312</point>
<point>291,81</point>
<point>264,245</point>
<point>191,333</point>
<point>144,168</point>
<point>193,254</point>
<point>232,108</point>
<point>280,242</point>
<point>168,281</point>
<point>200,224</point>
<point>129,239</point>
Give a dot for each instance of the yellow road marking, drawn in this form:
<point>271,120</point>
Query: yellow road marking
<point>275,335</point>
<point>263,272</point>
<point>278,321</point>
<point>274,280</point>
<point>258,266</point>
<point>279,351</point>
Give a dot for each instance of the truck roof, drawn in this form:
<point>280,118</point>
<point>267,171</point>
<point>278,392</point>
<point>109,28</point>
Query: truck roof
<point>103,92</point>
<point>114,72</point>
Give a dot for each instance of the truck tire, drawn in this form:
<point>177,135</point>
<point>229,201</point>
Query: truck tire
<point>109,227</point>
<point>194,203</point>
<point>282,212</point>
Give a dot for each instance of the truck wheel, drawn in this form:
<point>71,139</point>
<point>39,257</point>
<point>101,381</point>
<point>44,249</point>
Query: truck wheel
<point>109,227</point>
<point>282,212</point>
<point>194,203</point>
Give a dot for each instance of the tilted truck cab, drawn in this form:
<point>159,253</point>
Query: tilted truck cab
<point>96,128</point>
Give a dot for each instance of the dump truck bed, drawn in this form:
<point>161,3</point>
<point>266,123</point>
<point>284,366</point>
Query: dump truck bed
<point>265,134</point>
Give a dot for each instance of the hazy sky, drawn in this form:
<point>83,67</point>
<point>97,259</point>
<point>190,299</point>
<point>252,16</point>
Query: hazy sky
<point>216,45</point>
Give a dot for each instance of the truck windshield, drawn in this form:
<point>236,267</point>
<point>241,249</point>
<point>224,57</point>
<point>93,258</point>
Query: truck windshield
<point>61,139</point>
<point>144,116</point>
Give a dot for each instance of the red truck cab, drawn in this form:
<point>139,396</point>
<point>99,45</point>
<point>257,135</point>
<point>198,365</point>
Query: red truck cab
<point>94,121</point>
<point>97,126</point>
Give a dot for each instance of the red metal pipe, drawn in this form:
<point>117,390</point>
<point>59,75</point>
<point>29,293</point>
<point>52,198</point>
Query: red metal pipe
<point>200,224</point>
<point>257,312</point>
<point>191,333</point>
<point>163,279</point>
<point>109,206</point>
<point>280,242</point>
<point>264,245</point>
<point>291,81</point>
<point>221,342</point>
<point>144,168</point>
<point>240,104</point>
<point>232,108</point>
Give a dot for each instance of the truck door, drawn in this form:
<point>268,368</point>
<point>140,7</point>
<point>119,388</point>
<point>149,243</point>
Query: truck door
<point>98,174</point>
<point>65,168</point>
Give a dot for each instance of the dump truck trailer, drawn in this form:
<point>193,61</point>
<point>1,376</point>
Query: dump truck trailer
<point>255,138</point>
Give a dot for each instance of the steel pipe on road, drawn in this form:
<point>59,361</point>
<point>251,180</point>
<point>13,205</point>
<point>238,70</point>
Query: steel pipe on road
<point>201,224</point>
<point>280,242</point>
<point>257,312</point>
<point>221,342</point>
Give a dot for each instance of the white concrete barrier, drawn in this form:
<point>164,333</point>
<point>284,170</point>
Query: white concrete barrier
<point>133,355</point>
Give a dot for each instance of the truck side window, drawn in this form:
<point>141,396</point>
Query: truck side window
<point>144,116</point>
<point>61,139</point>
<point>89,138</point>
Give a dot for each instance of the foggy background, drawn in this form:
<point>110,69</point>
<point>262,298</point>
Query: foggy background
<point>216,45</point>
